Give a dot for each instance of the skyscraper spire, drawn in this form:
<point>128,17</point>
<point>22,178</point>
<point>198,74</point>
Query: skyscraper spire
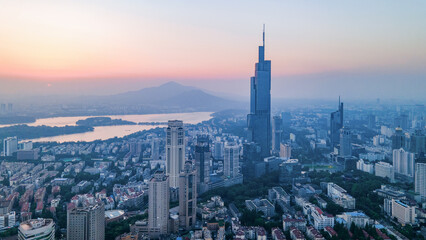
<point>263,35</point>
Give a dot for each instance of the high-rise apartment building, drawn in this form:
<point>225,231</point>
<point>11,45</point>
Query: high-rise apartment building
<point>285,151</point>
<point>86,221</point>
<point>403,162</point>
<point>218,149</point>
<point>158,204</point>
<point>34,229</point>
<point>259,119</point>
<point>336,123</point>
<point>202,162</point>
<point>345,142</point>
<point>420,179</point>
<point>10,146</point>
<point>187,197</point>
<point>231,160</point>
<point>175,151</point>
<point>404,212</point>
<point>277,132</point>
<point>384,170</point>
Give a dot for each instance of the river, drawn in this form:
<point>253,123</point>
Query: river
<point>107,132</point>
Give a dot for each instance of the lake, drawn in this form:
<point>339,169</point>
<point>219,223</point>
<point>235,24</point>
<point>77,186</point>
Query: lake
<point>107,132</point>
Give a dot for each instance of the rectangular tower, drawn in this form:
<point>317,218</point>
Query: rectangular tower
<point>86,222</point>
<point>158,205</point>
<point>175,151</point>
<point>187,197</point>
<point>202,162</point>
<point>336,123</point>
<point>231,160</point>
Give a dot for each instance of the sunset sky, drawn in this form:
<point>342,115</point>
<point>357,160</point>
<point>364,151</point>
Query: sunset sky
<point>87,44</point>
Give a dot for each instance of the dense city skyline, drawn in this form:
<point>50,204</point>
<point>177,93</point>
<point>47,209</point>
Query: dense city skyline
<point>143,120</point>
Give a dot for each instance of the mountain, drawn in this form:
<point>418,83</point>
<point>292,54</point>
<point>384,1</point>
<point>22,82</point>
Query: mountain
<point>172,95</point>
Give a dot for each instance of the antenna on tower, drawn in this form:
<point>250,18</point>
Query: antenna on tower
<point>263,35</point>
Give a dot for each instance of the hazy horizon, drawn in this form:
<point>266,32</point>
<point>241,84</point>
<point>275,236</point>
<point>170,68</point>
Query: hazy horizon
<point>362,50</point>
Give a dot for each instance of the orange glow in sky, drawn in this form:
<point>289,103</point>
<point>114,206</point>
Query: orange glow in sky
<point>54,40</point>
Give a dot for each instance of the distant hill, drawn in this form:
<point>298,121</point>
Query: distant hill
<point>172,95</point>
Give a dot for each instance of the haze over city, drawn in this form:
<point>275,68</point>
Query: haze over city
<point>359,49</point>
<point>212,120</point>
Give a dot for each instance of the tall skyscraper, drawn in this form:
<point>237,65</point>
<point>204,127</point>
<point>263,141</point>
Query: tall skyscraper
<point>202,162</point>
<point>259,119</point>
<point>175,151</point>
<point>187,197</point>
<point>231,160</point>
<point>158,204</point>
<point>277,132</point>
<point>345,142</point>
<point>37,229</point>
<point>336,123</point>
<point>398,139</point>
<point>10,146</point>
<point>403,162</point>
<point>86,221</point>
<point>420,179</point>
<point>418,142</point>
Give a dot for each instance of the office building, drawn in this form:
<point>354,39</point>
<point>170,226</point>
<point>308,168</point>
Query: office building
<point>358,218</point>
<point>86,220</point>
<point>420,179</point>
<point>231,160</point>
<point>320,218</point>
<point>37,229</point>
<point>403,162</point>
<point>371,121</point>
<point>155,148</point>
<point>418,142</point>
<point>218,149</point>
<point>187,197</point>
<point>277,132</point>
<point>365,166</point>
<point>404,212</point>
<point>401,121</point>
<point>28,145</point>
<point>285,151</point>
<point>398,139</point>
<point>340,196</point>
<point>10,146</point>
<point>345,142</point>
<point>175,151</point>
<point>385,170</point>
<point>158,204</point>
<point>7,219</point>
<point>261,205</point>
<point>202,162</point>
<point>336,123</point>
<point>259,119</point>
<point>250,158</point>
<point>289,169</point>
